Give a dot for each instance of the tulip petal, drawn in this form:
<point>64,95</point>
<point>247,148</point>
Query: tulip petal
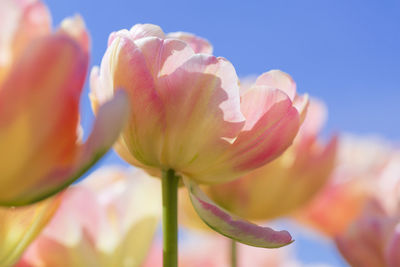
<point>146,30</point>
<point>75,27</point>
<point>110,121</point>
<point>204,116</point>
<point>127,62</point>
<point>39,112</point>
<point>22,22</point>
<point>20,226</point>
<point>269,130</point>
<point>198,44</point>
<point>392,251</point>
<point>276,79</point>
<point>232,226</point>
<point>271,125</point>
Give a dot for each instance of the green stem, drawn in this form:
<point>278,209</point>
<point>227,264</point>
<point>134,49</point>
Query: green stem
<point>170,218</point>
<point>233,253</point>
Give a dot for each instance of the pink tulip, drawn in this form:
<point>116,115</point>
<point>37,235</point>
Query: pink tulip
<point>189,119</point>
<point>374,238</point>
<point>187,112</point>
<point>341,201</point>
<point>109,219</point>
<point>41,80</point>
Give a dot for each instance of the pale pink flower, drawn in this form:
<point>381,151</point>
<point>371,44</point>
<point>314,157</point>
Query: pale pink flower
<point>187,111</point>
<point>188,115</point>
<point>41,79</point>
<point>109,219</point>
<point>374,238</point>
<point>341,201</point>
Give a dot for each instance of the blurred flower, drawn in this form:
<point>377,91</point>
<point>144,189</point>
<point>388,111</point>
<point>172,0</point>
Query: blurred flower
<point>109,219</point>
<point>287,183</point>
<point>340,202</point>
<point>374,238</point>
<point>19,226</point>
<point>41,79</point>
<point>187,111</point>
<point>199,250</point>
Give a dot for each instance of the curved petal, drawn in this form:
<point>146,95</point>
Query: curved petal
<point>20,226</point>
<point>22,22</point>
<point>362,243</point>
<point>314,120</point>
<point>271,125</point>
<point>276,79</point>
<point>301,103</point>
<point>146,30</point>
<point>44,85</point>
<point>75,27</point>
<point>232,226</point>
<point>110,121</point>
<point>197,121</point>
<point>198,44</point>
<point>126,63</point>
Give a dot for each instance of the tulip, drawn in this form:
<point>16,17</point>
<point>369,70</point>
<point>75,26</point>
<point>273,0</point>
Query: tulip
<point>41,79</point>
<point>341,201</point>
<point>281,187</point>
<point>109,219</point>
<point>19,226</point>
<point>189,120</point>
<point>374,238</point>
<point>187,113</point>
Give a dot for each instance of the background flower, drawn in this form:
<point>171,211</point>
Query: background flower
<point>41,80</point>
<point>107,220</point>
<point>20,226</point>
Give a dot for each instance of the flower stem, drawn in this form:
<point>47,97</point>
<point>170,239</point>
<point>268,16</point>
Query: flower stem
<point>170,218</point>
<point>233,253</point>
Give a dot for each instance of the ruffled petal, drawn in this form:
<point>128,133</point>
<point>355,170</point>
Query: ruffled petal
<point>232,226</point>
<point>197,121</point>
<point>276,79</point>
<point>198,44</point>
<point>146,30</point>
<point>271,124</point>
<point>110,121</point>
<point>44,85</point>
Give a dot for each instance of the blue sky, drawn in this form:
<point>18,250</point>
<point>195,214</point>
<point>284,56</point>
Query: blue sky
<point>345,52</point>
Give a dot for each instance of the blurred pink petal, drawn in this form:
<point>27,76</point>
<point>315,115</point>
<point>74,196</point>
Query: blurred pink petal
<point>41,80</point>
<point>341,201</point>
<point>20,226</point>
<point>109,219</point>
<point>373,238</point>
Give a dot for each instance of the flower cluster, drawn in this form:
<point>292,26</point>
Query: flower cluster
<point>240,153</point>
